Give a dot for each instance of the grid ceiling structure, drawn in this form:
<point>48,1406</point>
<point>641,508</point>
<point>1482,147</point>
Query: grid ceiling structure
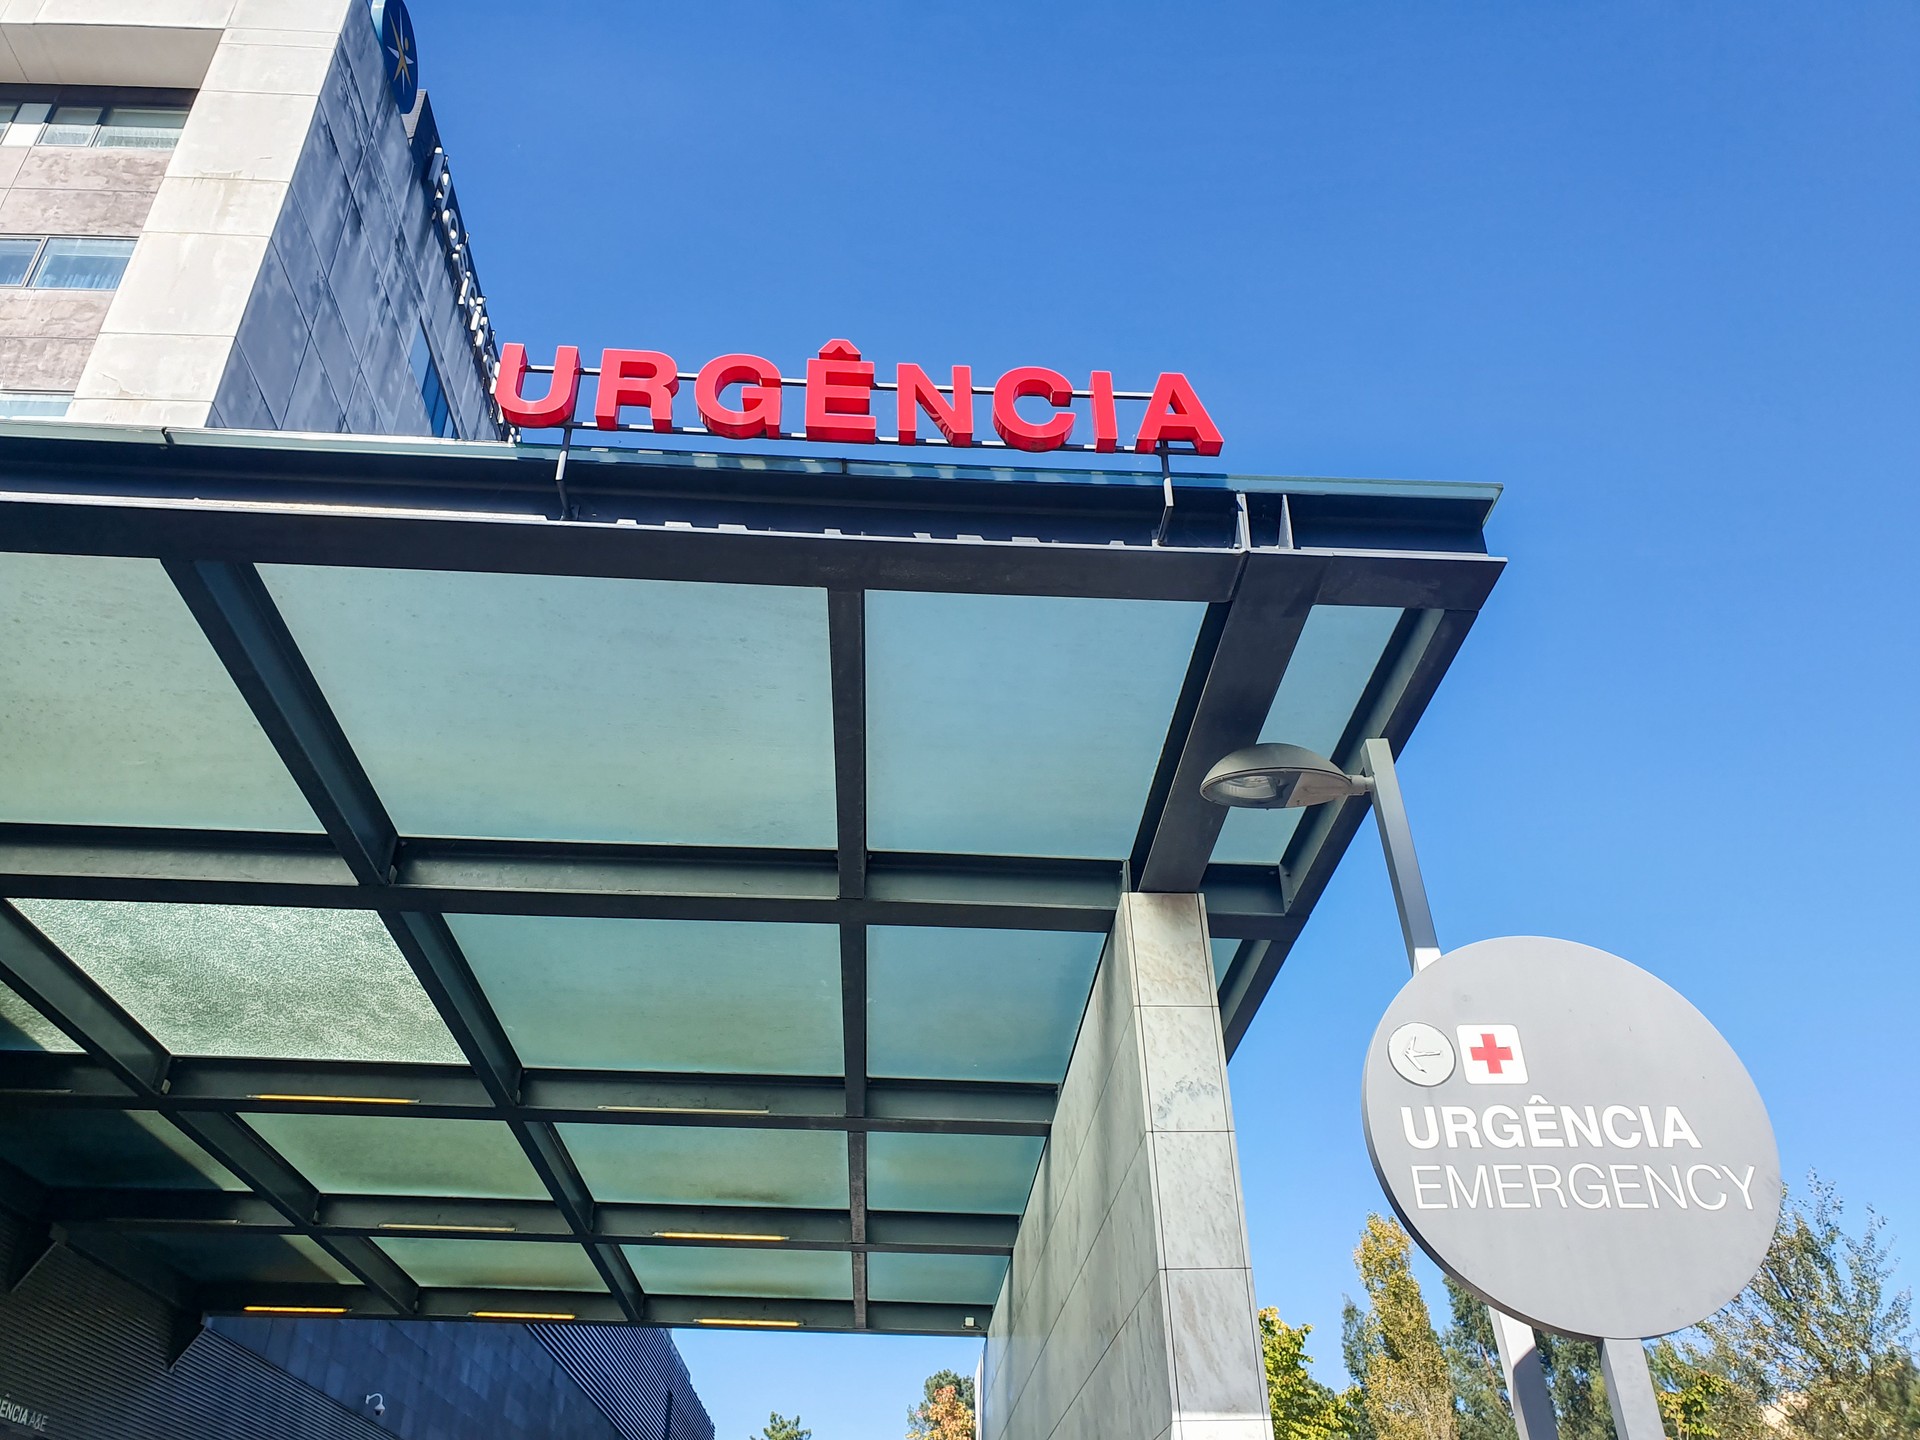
<point>444,880</point>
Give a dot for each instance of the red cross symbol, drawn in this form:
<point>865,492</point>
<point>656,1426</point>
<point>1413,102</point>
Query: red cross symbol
<point>1490,1054</point>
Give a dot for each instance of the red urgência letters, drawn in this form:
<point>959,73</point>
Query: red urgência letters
<point>739,396</point>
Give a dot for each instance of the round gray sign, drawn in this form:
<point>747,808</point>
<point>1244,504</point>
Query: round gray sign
<point>1589,1156</point>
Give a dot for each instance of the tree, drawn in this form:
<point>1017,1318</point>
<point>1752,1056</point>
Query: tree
<point>1473,1359</point>
<point>945,1411</point>
<point>1408,1393</point>
<point>779,1427</point>
<point>1301,1407</point>
<point>1578,1387</point>
<point>1816,1348</point>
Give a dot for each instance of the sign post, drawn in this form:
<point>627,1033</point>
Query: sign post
<point>1520,1362</point>
<point>1568,1138</point>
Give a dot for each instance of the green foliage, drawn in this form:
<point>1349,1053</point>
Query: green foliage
<point>1816,1348</point>
<point>1355,1354</point>
<point>961,1385</point>
<point>1302,1408</point>
<point>1407,1393</point>
<point>1578,1389</point>
<point>1473,1360</point>
<point>779,1427</point>
<point>945,1411</point>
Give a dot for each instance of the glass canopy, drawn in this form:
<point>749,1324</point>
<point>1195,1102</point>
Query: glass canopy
<point>678,908</point>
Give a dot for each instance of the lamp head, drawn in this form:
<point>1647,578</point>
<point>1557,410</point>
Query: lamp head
<point>1277,777</point>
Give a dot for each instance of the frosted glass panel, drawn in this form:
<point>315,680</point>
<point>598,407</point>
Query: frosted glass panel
<point>24,1028</point>
<point>558,708</point>
<point>242,1258</point>
<point>709,1165</point>
<point>1339,649</point>
<point>717,1270</point>
<point>981,1174</point>
<point>494,1264</point>
<point>1026,992</point>
<point>725,997</point>
<point>935,1279</point>
<point>254,981</point>
<point>1016,724</point>
<point>403,1155</point>
<point>104,1147</point>
<point>116,710</point>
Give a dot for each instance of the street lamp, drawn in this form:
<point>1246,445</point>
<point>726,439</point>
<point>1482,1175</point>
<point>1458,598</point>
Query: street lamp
<point>1278,777</point>
<point>1290,777</point>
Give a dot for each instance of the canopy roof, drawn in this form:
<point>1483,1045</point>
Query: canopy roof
<point>678,910</point>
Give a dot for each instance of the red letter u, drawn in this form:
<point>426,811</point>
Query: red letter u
<point>556,408</point>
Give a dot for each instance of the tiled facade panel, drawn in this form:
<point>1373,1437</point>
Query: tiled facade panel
<point>353,268</point>
<point>1127,1313</point>
<point>98,1356</point>
<point>436,1379</point>
<point>46,335</point>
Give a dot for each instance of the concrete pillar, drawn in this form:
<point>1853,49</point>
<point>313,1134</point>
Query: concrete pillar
<point>1128,1311</point>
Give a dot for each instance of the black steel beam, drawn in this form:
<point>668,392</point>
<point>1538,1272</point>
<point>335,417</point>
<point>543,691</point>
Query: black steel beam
<point>232,605</point>
<point>1422,649</point>
<point>36,970</point>
<point>847,663</point>
<point>510,1221</point>
<point>579,1097</point>
<point>233,608</point>
<point>63,992</point>
<point>1243,671</point>
<point>1061,549</point>
<point>533,1306</point>
<point>187,867</point>
<point>435,957</point>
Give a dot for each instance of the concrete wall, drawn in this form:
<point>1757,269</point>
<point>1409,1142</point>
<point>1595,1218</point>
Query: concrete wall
<point>1128,1312</point>
<point>287,254</point>
<point>46,335</point>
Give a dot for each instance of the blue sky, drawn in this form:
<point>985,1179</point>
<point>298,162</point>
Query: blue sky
<point>1651,266</point>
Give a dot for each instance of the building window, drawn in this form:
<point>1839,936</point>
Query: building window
<point>110,127</point>
<point>433,394</point>
<point>63,262</point>
<point>33,404</point>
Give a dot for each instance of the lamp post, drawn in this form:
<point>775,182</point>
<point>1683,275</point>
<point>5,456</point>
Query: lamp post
<point>1289,777</point>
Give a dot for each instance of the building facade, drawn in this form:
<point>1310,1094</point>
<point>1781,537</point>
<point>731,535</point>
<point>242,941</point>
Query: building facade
<point>87,1351</point>
<point>215,213</point>
<point>390,929</point>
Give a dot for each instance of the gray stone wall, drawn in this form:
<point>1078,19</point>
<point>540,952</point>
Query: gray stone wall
<point>1128,1311</point>
<point>353,269</point>
<point>46,335</point>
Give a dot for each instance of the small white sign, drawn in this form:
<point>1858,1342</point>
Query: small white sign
<point>1421,1054</point>
<point>1491,1055</point>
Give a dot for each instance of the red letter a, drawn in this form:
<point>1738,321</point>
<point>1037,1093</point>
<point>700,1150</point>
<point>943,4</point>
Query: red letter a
<point>1175,413</point>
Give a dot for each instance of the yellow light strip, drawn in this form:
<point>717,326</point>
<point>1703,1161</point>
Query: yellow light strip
<point>450,1229</point>
<point>709,1235</point>
<point>753,1324</point>
<point>337,1099</point>
<point>520,1315</point>
<point>294,1309</point>
<point>675,1110</point>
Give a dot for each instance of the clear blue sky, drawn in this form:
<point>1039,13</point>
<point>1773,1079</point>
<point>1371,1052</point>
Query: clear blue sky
<point>1654,267</point>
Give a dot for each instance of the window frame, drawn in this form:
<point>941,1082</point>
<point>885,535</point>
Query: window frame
<point>105,108</point>
<point>7,396</point>
<point>423,344</point>
<point>39,259</point>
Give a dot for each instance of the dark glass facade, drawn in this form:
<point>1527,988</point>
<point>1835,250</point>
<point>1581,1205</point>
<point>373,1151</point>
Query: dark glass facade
<point>86,1353</point>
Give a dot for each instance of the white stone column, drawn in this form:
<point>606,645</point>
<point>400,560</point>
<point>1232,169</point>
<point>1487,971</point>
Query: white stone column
<point>1128,1311</point>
